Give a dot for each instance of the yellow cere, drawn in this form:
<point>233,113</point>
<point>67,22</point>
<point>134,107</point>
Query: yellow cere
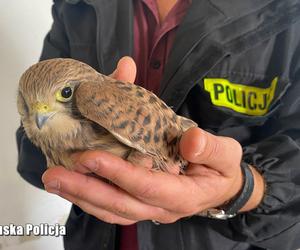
<point>240,98</point>
<point>41,108</point>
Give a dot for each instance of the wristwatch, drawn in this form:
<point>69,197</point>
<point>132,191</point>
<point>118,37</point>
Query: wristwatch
<point>231,208</point>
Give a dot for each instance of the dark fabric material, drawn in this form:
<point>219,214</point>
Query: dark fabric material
<point>246,42</point>
<point>152,43</point>
<point>128,237</point>
<point>31,161</point>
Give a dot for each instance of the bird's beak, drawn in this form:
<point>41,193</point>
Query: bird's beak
<point>43,113</point>
<point>40,119</point>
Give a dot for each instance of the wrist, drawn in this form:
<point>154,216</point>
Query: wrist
<point>248,196</point>
<point>258,191</point>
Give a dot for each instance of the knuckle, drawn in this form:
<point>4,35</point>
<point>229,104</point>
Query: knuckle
<point>168,219</point>
<point>114,177</point>
<point>108,218</point>
<point>76,202</point>
<point>79,193</point>
<point>213,148</point>
<point>147,192</point>
<point>235,147</point>
<point>126,223</point>
<point>113,219</point>
<point>120,208</point>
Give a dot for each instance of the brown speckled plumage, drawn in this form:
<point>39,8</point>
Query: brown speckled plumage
<point>103,113</point>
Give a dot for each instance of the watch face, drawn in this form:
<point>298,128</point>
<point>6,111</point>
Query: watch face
<point>215,213</point>
<point>219,214</point>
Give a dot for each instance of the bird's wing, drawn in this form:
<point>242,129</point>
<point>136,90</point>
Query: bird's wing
<point>135,116</point>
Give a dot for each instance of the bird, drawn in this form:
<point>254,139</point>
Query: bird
<point>66,106</point>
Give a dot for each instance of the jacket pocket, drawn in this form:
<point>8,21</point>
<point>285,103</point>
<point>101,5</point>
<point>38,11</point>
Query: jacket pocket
<point>235,99</point>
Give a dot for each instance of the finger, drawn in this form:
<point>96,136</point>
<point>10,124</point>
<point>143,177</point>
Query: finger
<point>222,154</point>
<point>98,212</point>
<point>112,218</point>
<point>154,188</point>
<point>88,190</point>
<point>126,70</point>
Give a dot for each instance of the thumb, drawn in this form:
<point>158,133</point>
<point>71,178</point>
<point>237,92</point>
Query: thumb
<point>126,70</point>
<point>222,154</point>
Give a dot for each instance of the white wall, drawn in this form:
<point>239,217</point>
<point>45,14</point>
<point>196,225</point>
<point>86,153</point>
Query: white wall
<point>23,25</point>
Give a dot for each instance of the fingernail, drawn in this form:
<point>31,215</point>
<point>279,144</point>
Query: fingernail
<point>53,187</point>
<point>90,164</point>
<point>200,147</point>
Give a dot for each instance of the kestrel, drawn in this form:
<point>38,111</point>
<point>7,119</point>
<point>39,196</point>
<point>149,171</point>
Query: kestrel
<point>66,106</point>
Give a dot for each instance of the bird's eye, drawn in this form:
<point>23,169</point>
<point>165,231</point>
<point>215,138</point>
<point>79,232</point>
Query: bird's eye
<point>64,95</point>
<point>66,92</point>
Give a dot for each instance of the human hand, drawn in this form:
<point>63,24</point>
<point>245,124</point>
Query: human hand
<point>125,71</point>
<point>212,178</point>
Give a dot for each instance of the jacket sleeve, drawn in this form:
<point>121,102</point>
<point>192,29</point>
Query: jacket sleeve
<point>275,223</point>
<point>31,161</point>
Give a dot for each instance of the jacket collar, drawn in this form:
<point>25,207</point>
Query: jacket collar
<point>114,31</point>
<point>236,8</point>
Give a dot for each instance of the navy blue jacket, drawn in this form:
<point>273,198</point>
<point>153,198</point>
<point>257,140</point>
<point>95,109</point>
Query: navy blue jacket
<point>235,70</point>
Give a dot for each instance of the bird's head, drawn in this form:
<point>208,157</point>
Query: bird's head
<point>46,96</point>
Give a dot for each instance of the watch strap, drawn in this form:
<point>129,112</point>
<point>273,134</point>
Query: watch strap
<point>243,196</point>
<point>234,205</point>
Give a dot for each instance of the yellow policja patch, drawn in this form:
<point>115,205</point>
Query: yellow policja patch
<point>240,98</point>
